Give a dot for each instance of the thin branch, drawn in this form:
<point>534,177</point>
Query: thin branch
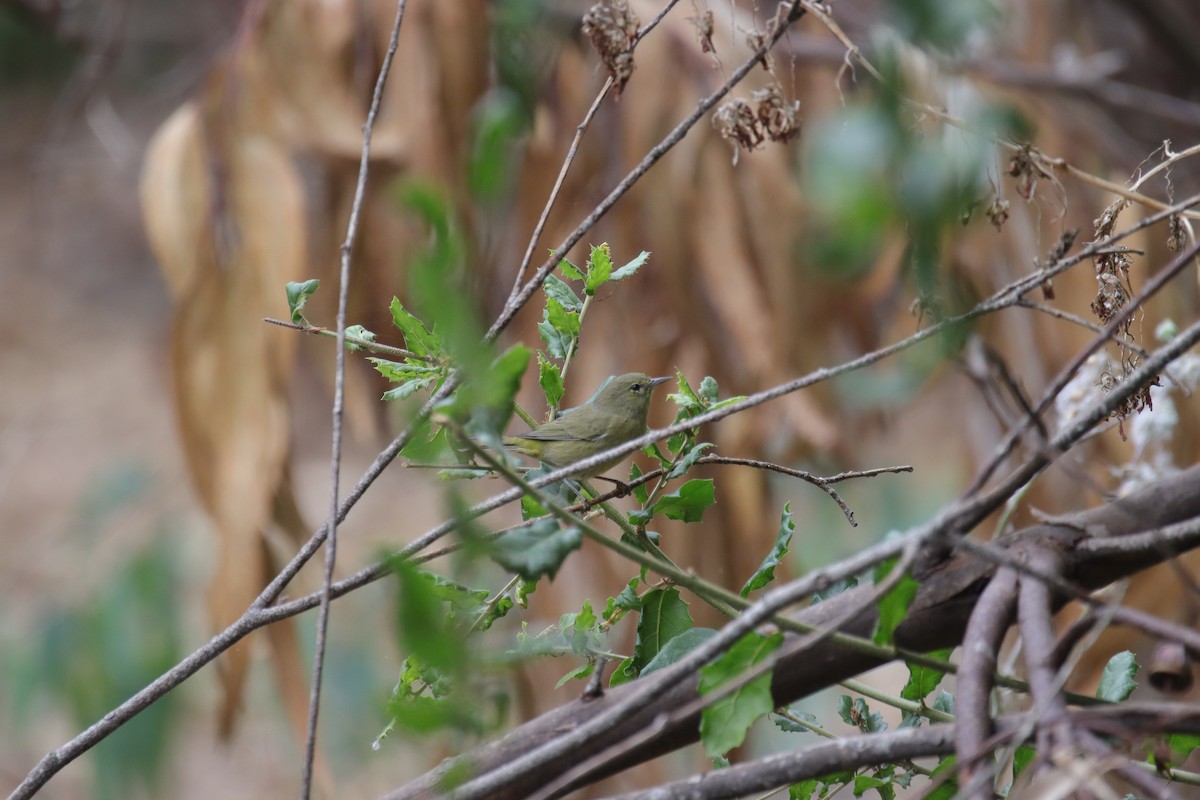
<point>981,641</point>
<point>819,482</point>
<point>339,398</point>
<point>361,344</point>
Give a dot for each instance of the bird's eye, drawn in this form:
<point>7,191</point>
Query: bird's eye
<point>637,387</point>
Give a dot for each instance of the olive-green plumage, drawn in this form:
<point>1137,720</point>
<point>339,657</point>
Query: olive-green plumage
<point>616,413</point>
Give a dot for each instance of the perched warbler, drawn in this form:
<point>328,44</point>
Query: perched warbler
<point>615,414</point>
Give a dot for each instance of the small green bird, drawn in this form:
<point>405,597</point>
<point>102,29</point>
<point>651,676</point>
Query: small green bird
<point>615,414</point>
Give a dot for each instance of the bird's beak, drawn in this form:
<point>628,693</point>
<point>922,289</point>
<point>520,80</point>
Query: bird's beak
<point>656,381</point>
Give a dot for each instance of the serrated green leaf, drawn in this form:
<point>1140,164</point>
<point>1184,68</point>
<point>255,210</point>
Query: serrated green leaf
<point>628,599</point>
<point>357,332</point>
<point>569,269</point>
<point>766,570</point>
<point>536,549</point>
<point>708,390</point>
<point>550,379</point>
<point>583,628</point>
<point>922,680</point>
<point>416,336</point>
<point>688,459</point>
<point>689,502</point>
<point>630,269</point>
<point>599,268</point>
<point>856,712</point>
<point>557,343</point>
<point>298,293</point>
<point>724,724</point>
<point>893,606</point>
<point>787,725</point>
<point>664,615</point>
<point>561,293</point>
<point>678,647</point>
<point>409,388</point>
<point>657,454</point>
<point>1117,682</point>
<point>397,371</point>
<point>564,321</point>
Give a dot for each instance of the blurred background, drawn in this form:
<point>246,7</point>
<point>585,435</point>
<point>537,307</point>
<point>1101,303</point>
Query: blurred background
<point>166,167</point>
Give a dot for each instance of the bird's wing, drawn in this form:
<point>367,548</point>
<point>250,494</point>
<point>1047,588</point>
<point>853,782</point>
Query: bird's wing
<point>570,427</point>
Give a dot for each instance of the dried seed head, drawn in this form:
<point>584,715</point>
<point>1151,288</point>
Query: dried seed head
<point>704,31</point>
<point>1176,235</point>
<point>613,26</point>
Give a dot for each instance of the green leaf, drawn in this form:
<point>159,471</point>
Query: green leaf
<point>498,121</point>
<point>687,460</point>
<point>357,332</point>
<point>550,379</point>
<point>948,789</point>
<point>397,371</point>
<point>893,606</point>
<point>785,724</point>
<point>409,388</point>
<point>582,627</point>
<point>1182,745</point>
<point>623,673</point>
<point>922,680</point>
<point>570,270</point>
<point>582,671</point>
<point>766,570</point>
<point>599,268</point>
<point>688,503</point>
<point>724,724</point>
<point>564,321</point>
<point>557,343</point>
<point>640,492</point>
<point>1117,682</point>
<point>863,783</point>
<point>561,293</point>
<point>630,269</point>
<point>298,293</point>
<point>857,713</point>
<point>664,615</point>
<point>421,619</point>
<point>803,790</point>
<point>536,549</point>
<point>416,336</point>
<point>686,398</point>
<point>1022,758</point>
<point>678,647</point>
<point>708,390</point>
<point>944,702</point>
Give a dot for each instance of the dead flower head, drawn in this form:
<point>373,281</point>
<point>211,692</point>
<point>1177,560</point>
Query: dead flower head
<point>613,27</point>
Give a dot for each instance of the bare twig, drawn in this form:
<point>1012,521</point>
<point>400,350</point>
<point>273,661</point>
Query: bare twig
<point>819,482</point>
<point>339,397</point>
<point>362,344</point>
